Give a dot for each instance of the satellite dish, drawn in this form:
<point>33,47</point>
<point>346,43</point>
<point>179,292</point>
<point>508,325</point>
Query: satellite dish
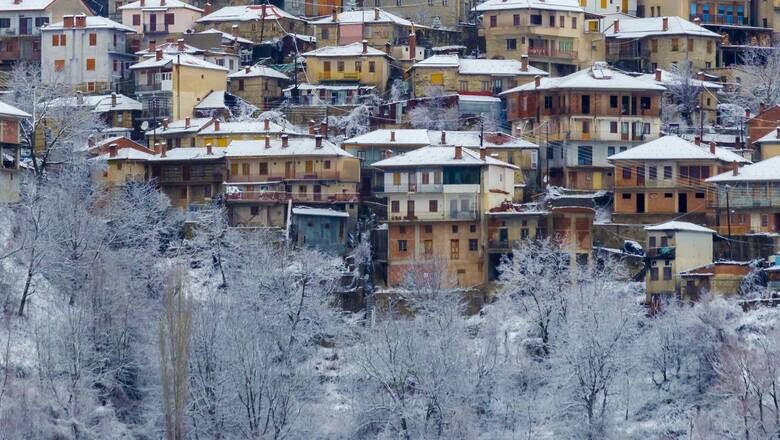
<point>145,125</point>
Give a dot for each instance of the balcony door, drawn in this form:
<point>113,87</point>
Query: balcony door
<point>25,26</point>
<point>412,181</point>
<point>410,209</point>
<point>152,22</point>
<point>289,170</point>
<point>317,193</point>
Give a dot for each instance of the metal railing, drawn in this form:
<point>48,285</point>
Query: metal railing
<point>283,196</point>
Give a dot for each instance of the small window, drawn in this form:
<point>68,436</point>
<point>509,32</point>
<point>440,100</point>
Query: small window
<point>454,229</point>
<point>402,230</point>
<point>699,195</point>
<point>644,102</point>
<point>263,168</point>
<point>402,246</point>
<point>372,66</point>
<point>625,196</point>
<point>169,19</point>
<point>613,126</point>
<point>511,44</point>
<point>667,172</point>
<point>473,228</point>
<point>358,66</point>
<point>245,169</point>
<point>626,172</point>
<point>254,210</point>
<point>90,64</point>
<point>516,20</point>
<point>668,195</point>
<point>652,241</point>
<point>675,44</point>
<point>667,273</point>
<point>613,101</point>
<point>574,22</point>
<point>340,66</point>
<point>654,45</point>
<point>610,151</point>
<point>433,205</point>
<point>473,244</point>
<point>395,206</point>
<point>5,23</point>
<point>493,21</point>
<point>454,249</point>
<point>93,39</point>
<point>653,274</point>
<point>136,20</point>
<point>241,85</point>
<point>428,229</point>
<point>59,65</point>
<point>690,45</point>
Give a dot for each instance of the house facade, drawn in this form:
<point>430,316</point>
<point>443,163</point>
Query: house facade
<point>159,20</point>
<point>258,85</point>
<point>190,177</point>
<point>355,63</point>
<point>257,23</point>
<point>10,149</point>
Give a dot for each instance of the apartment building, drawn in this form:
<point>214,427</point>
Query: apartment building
<point>747,199</point>
<point>10,149</point>
<point>355,63</point>
<point>190,177</point>
<point>87,53</point>
<point>465,76</point>
<point>667,177</point>
<point>669,43</point>
<point>21,22</point>
<point>583,118</point>
<point>257,23</point>
<point>159,20</point>
<point>554,35</point>
<point>267,176</point>
<point>258,85</point>
<point>436,199</point>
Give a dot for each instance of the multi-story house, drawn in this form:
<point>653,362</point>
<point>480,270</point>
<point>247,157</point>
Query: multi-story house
<point>610,7</point>
<point>768,146</point>
<point>434,13</point>
<point>266,176</point>
<point>221,56</point>
<point>170,86</point>
<point>436,200</point>
<point>707,93</point>
<point>672,248</point>
<point>10,164</point>
<point>355,63</point>
<point>199,132</point>
<point>327,94</point>
<point>666,178</point>
<point>158,20</point>
<point>554,35</point>
<point>748,199</point>
<point>762,128</point>
<point>188,176</point>
<point>123,165</point>
<point>583,118</point>
<point>255,22</point>
<point>117,111</point>
<point>211,38</point>
<point>470,76</point>
<point>20,27</point>
<point>87,53</point>
<point>258,85</point>
<point>647,44</point>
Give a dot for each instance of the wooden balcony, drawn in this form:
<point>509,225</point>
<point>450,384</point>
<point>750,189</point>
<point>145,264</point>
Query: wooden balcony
<point>661,253</point>
<point>284,196</point>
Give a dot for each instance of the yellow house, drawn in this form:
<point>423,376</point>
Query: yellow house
<point>356,63</point>
<point>471,76</point>
<point>646,44</point>
<point>124,165</point>
<point>258,85</point>
<point>199,132</point>
<point>172,85</point>
<point>255,22</point>
<point>769,144</point>
<point>555,35</point>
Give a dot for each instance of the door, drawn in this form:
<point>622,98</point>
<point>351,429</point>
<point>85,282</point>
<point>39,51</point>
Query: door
<point>152,22</point>
<point>777,222</point>
<point>624,7</point>
<point>412,177</point>
<point>682,202</point>
<point>503,238</point>
<point>289,171</point>
<point>597,182</point>
<point>309,166</point>
<point>25,26</point>
<point>640,202</point>
<point>410,209</point>
<point>317,193</point>
<point>640,175</point>
<point>326,70</point>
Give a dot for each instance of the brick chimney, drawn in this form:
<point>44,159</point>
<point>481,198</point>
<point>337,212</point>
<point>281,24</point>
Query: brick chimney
<point>712,147</point>
<point>324,128</point>
<point>234,30</point>
<point>67,20</point>
<point>616,26</point>
<point>392,135</point>
<point>266,124</point>
<point>311,126</point>
<point>180,45</point>
<point>216,125</point>
<point>158,54</point>
<point>152,46</point>
<point>537,81</point>
<point>209,150</point>
<point>700,76</point>
<point>697,21</point>
<point>735,168</point>
<point>187,122</point>
<point>162,2</point>
<point>747,113</point>
<point>162,148</point>
<point>263,13</point>
<point>388,48</point>
<point>697,140</point>
<point>113,99</point>
<point>206,8</point>
<point>665,24</point>
<point>267,141</point>
<point>143,3</point>
<point>524,63</point>
<point>412,45</point>
<point>334,15</point>
<point>112,150</point>
<point>81,21</point>
<point>443,137</point>
<point>318,141</point>
<point>285,141</point>
<point>376,14</point>
<point>458,152</point>
<point>777,131</point>
<point>365,46</point>
<point>482,154</point>
<point>165,123</point>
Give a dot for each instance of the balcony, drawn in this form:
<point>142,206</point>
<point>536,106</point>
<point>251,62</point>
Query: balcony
<point>457,215</point>
<point>414,188</point>
<point>722,19</point>
<point>155,29</point>
<point>552,52</point>
<point>661,253</point>
<point>284,196</point>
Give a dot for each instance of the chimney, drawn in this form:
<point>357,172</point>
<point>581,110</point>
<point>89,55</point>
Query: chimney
<point>311,126</point>
<point>79,97</point>
<point>81,21</point>
<point>616,26</point>
<point>165,123</point>
<point>318,141</point>
<point>697,21</point>
<point>482,154</point>
<point>209,150</point>
<point>187,122</point>
<point>143,3</point>
<point>700,76</point>
<point>157,148</point>
<point>365,46</point>
<point>17,2</point>
<point>324,128</point>
<point>392,135</point>
<point>524,63</point>
<point>412,45</point>
<point>180,45</point>
<point>376,14</point>
<point>665,24</point>
<point>152,46</point>
<point>658,75</point>
<point>262,11</point>
<point>443,137</point>
<point>761,107</point>
<point>735,168</point>
<point>206,8</point>
<point>113,99</point>
<point>267,141</point>
<point>697,140</point>
<point>285,141</point>
<point>712,147</point>
<point>266,124</point>
<point>112,150</point>
<point>67,20</point>
<point>247,69</point>
<point>458,152</point>
<point>388,48</point>
<point>234,30</point>
<point>334,15</point>
<point>158,54</point>
<point>162,2</point>
<point>537,81</point>
<point>777,131</point>
<point>216,125</point>
<point>162,148</point>
<point>747,113</point>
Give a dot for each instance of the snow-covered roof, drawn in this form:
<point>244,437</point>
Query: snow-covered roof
<point>599,76</point>
<point>215,99</point>
<point>123,103</point>
<point>766,170</point>
<point>769,137</point>
<point>472,66</point>
<point>553,5</point>
<point>170,48</point>
<point>679,226</point>
<point>335,87</point>
<point>298,146</point>
<point>245,127</point>
<point>25,5</point>
<point>437,155</point>
<point>183,59</point>
<point>226,36</point>
<point>420,137</point>
<point>7,110</point>
<point>258,70</point>
<point>180,126</point>
<point>247,13</point>
<point>353,49</point>
<point>158,5</point>
<point>367,16</point>
<point>96,22</point>
<point>676,148</point>
<point>127,154</point>
<point>670,79</point>
<point>479,98</point>
<point>189,153</point>
<point>650,26</point>
<point>320,212</point>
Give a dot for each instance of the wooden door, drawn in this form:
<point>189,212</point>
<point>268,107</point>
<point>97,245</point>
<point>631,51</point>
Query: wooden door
<point>410,209</point>
<point>152,22</point>
<point>317,193</point>
<point>289,170</point>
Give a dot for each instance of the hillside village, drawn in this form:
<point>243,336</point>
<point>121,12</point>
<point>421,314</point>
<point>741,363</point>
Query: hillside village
<point>511,154</point>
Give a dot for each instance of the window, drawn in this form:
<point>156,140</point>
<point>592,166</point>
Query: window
<point>245,169</point>
<point>115,39</point>
<point>613,127</point>
<point>689,46</point>
<point>326,164</point>
<point>340,66</point>
<point>548,102</point>
<point>402,246</point>
<point>667,272</point>
<point>652,242</point>
<point>426,178</point>
<point>584,155</point>
<point>234,169</point>
<point>372,66</point>
<point>454,249</point>
<point>428,247</point>
<point>613,101</point>
<point>358,66</point>
<point>5,23</point>
<point>536,20</point>
<point>511,44</point>
<point>325,34</point>
<point>433,205</point>
<point>254,210</point>
<point>402,230</point>
<point>90,64</point>
<point>41,21</point>
<point>395,206</point>
<point>652,173</point>
<point>574,22</point>
<point>493,21</point>
<point>428,229</point>
<point>585,104</point>
<point>626,172</point>
<point>262,168</point>
<point>55,40</point>
<point>552,21</point>
<point>709,46</point>
<point>653,274</point>
<point>463,86</point>
<point>516,20</point>
<point>764,220</point>
<point>454,229</point>
<point>473,244</point>
<point>561,21</point>
<point>169,19</point>
<point>93,39</point>
<point>610,151</point>
<point>136,20</point>
<point>667,172</point>
<point>675,44</point>
<point>396,179</point>
<point>664,241</point>
<point>59,65</point>
<point>437,79</point>
<point>644,102</point>
<point>654,45</point>
<point>668,195</point>
<point>473,228</point>
<point>586,127</point>
<point>699,195</point>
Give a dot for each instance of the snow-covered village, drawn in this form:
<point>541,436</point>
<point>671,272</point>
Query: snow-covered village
<point>409,219</point>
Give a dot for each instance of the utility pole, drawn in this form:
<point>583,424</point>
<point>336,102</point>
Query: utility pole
<point>547,151</point>
<point>701,121</point>
<point>728,218</point>
<point>154,119</point>
<point>481,130</point>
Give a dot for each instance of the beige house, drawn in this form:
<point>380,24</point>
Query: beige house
<point>356,63</point>
<point>157,19</point>
<point>124,165</point>
<point>471,76</point>
<point>257,23</point>
<point>258,85</point>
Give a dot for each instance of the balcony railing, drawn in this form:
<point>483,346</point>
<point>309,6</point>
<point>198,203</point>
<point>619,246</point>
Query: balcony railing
<point>552,52</point>
<point>414,187</point>
<point>661,253</point>
<point>435,216</point>
<point>721,19</point>
<point>156,29</point>
<point>318,175</point>
<point>283,196</point>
